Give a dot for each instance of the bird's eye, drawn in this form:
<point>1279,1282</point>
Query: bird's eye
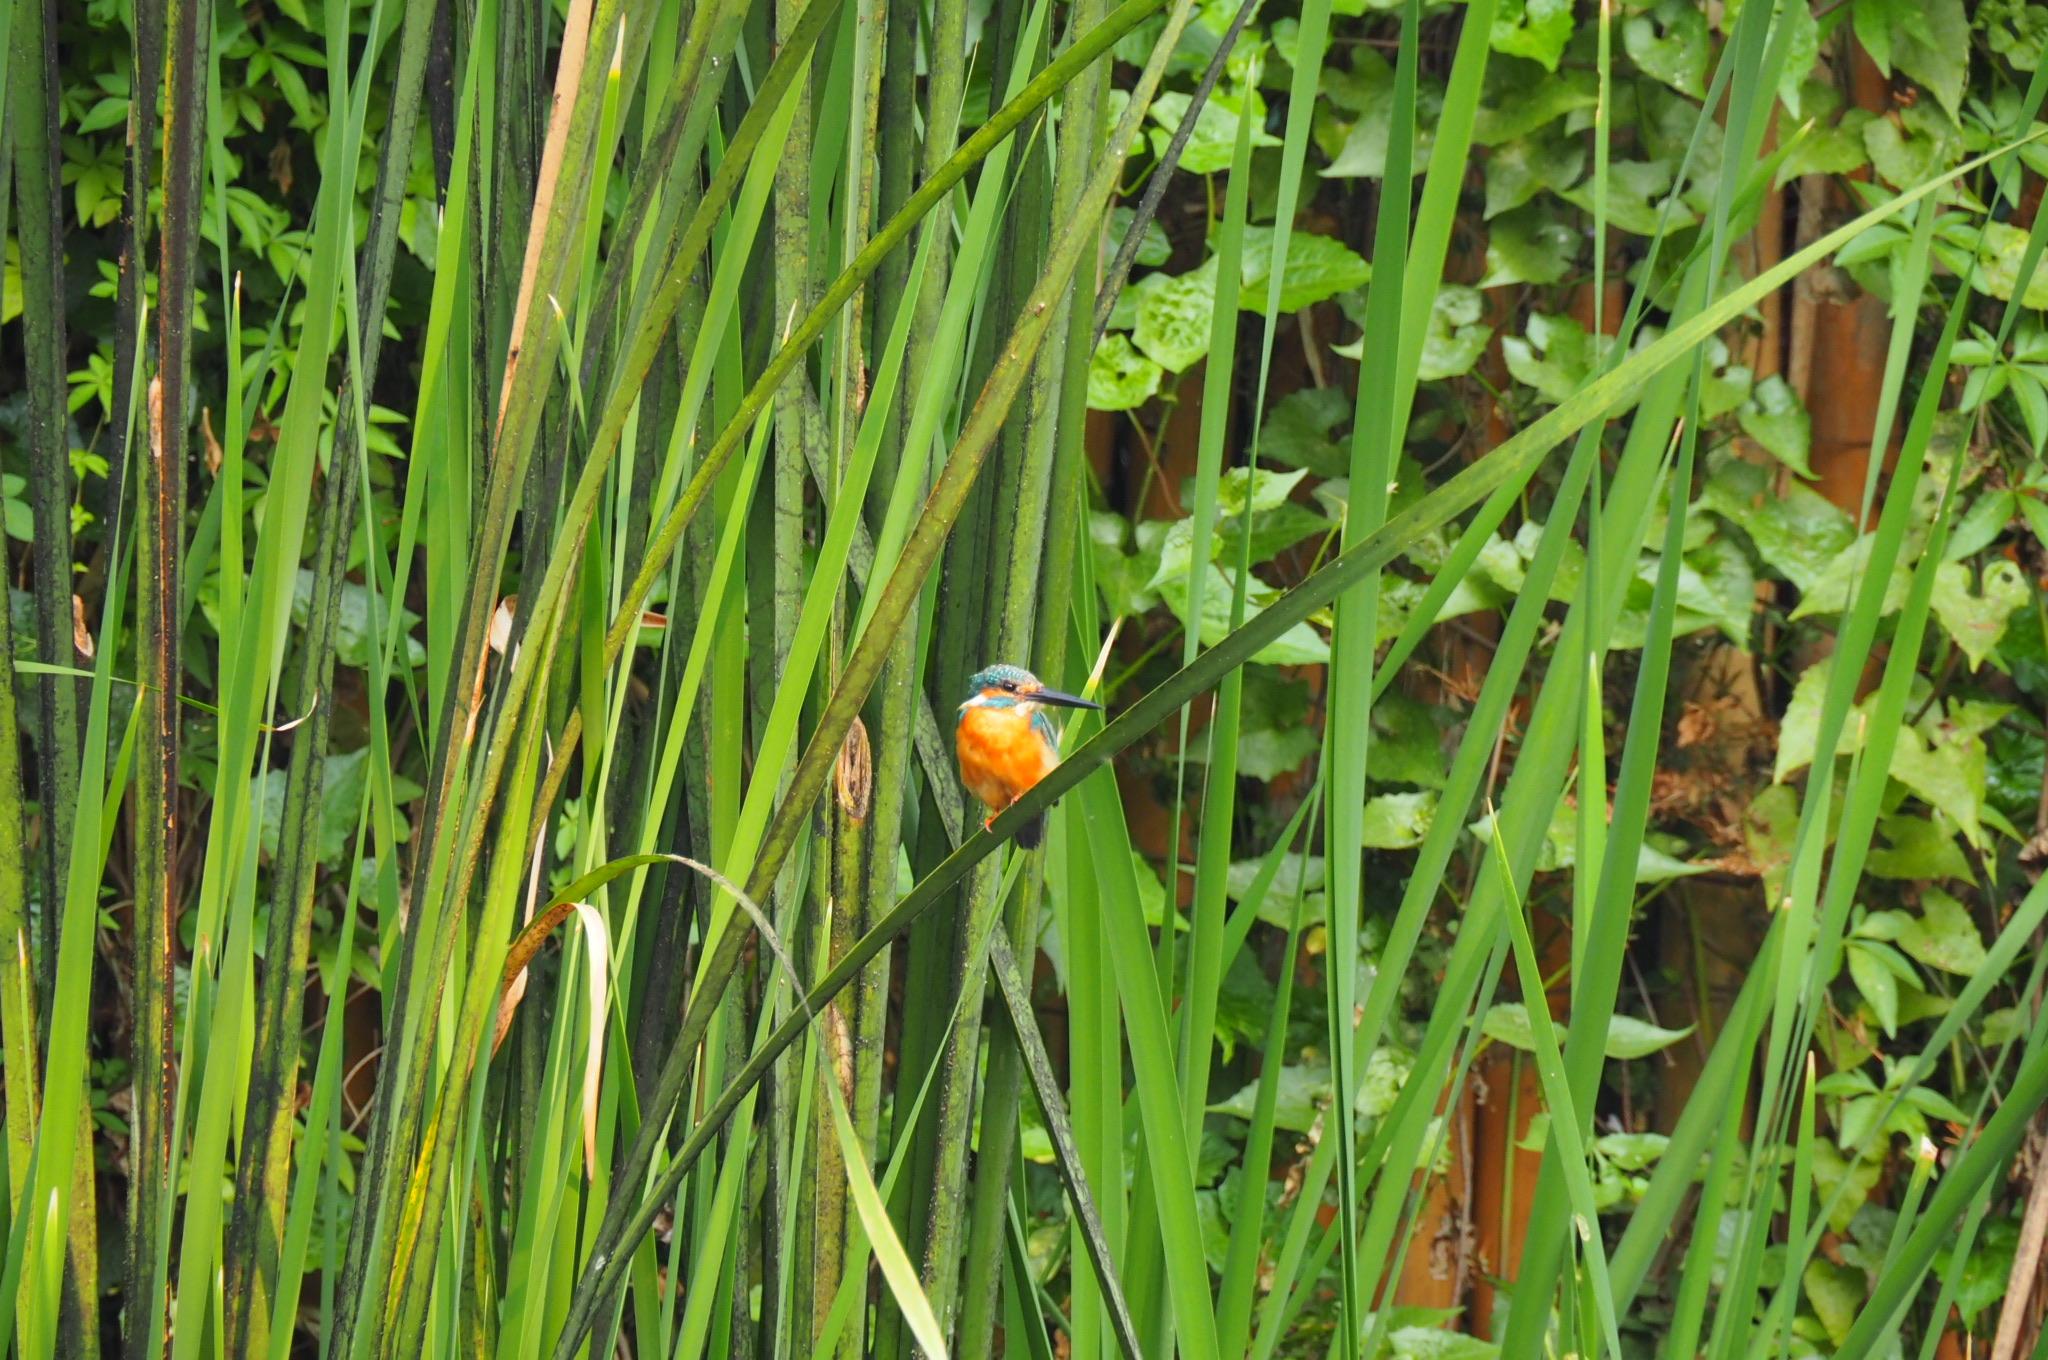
<point>1010,685</point>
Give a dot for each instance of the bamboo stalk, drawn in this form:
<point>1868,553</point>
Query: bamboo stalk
<point>160,488</point>
<point>40,231</point>
<point>797,429</point>
<point>40,234</point>
<point>868,860</point>
<point>986,569</point>
<point>1052,419</point>
<point>145,71</point>
<point>929,950</point>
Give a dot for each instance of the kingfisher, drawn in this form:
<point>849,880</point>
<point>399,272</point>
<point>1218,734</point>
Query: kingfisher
<point>1006,742</point>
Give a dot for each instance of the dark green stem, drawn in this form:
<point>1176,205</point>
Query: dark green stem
<point>1053,429</point>
<point>40,234</point>
<point>40,230</point>
<point>160,496</point>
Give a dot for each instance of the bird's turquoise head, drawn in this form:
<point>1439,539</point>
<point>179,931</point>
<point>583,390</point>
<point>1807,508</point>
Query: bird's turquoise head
<point>1012,687</point>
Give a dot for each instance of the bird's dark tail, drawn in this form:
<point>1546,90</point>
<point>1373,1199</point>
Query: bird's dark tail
<point>1032,832</point>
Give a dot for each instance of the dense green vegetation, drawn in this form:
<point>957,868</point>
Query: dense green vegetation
<point>503,501</point>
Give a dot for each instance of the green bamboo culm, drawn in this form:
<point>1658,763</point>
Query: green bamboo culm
<point>1031,608</point>
<point>159,483</point>
<point>32,118</point>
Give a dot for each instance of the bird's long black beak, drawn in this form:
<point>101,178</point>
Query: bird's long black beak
<point>1060,699</point>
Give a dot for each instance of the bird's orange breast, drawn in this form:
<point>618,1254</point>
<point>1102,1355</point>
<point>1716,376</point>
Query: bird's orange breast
<point>1001,754</point>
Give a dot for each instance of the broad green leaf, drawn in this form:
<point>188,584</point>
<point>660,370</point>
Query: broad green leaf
<point>1982,523</point>
<point>1799,729</point>
<point>1560,849</point>
<point>1369,91</point>
<point>1400,597</point>
<point>1275,733</point>
<point>1836,148</point>
<point>1152,894</point>
<point>1529,245</point>
<point>1977,619</point>
<point>1507,1022</point>
<point>1518,170</point>
<point>354,639</point>
<point>1456,338</point>
<point>1628,1037</point>
<point>1407,742</point>
<point>2001,250</point>
<point>1301,430</point>
<point>1946,772</point>
<point>2014,30</point>
<point>1398,821</point>
<point>1268,752</point>
<point>1154,249</point>
<point>341,799</point>
<point>1802,54</point>
<point>1555,355</point>
<point>1920,145</point>
<point>1842,578</point>
<point>1120,378</point>
<point>1797,531</point>
<point>1318,267</point>
<point>1944,936</point>
<point>1131,296</point>
<point>1724,384</point>
<point>1521,96</point>
<point>1843,1184</point>
<point>1172,326</point>
<point>1918,849</point>
<point>1724,571</point>
<point>1632,1151</point>
<point>1935,50</point>
<point>1210,146</point>
<point>1639,198</point>
<point>1774,417</point>
<point>1536,29</point>
<point>1297,873</point>
<point>1876,981</point>
<point>1433,1343</point>
<point>1256,489</point>
<point>1986,1271</point>
<point>1124,576</point>
<point>1303,1091</point>
<point>1836,1293</point>
<point>1873,23</point>
<point>1300,645</point>
<point>1380,1084</point>
<point>1671,44</point>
